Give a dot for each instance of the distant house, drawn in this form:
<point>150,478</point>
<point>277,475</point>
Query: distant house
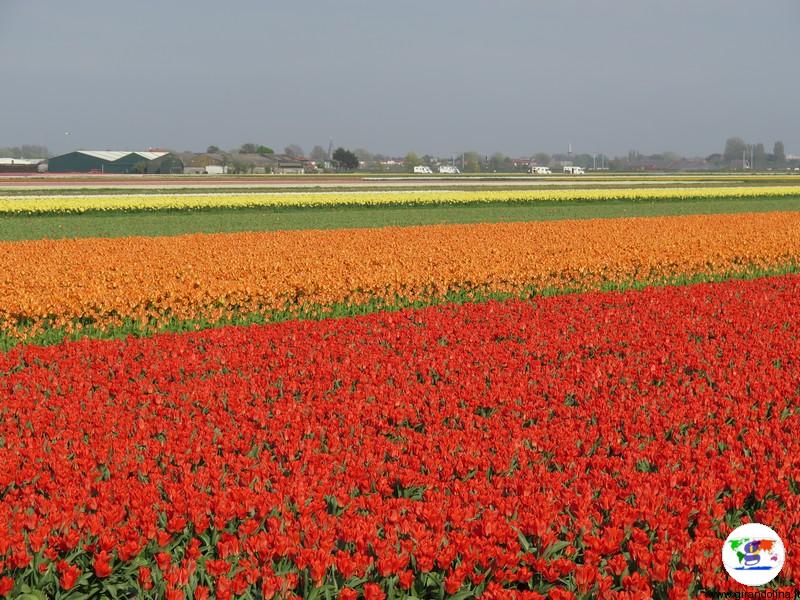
<point>692,164</point>
<point>518,163</point>
<point>239,162</point>
<point>287,165</point>
<point>113,161</point>
<point>203,163</point>
<point>194,170</point>
<point>277,164</point>
<point>250,163</point>
<point>391,164</point>
<point>22,165</point>
<point>216,170</point>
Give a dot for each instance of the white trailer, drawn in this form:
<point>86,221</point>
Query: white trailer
<point>540,171</point>
<point>448,170</point>
<point>574,170</point>
<point>423,170</point>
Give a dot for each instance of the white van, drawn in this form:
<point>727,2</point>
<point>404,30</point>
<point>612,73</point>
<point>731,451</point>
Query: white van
<point>422,170</point>
<point>448,170</point>
<point>540,171</point>
<point>574,170</point>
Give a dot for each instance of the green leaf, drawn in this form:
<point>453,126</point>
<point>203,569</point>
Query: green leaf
<point>31,595</point>
<point>523,541</point>
<point>554,548</point>
<point>462,595</point>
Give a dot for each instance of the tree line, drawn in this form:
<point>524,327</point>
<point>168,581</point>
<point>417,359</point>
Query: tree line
<point>753,155</point>
<point>736,154</point>
<point>25,151</point>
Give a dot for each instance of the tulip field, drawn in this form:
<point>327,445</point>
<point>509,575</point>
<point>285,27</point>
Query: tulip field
<point>564,409</point>
<point>163,202</point>
<point>69,286</point>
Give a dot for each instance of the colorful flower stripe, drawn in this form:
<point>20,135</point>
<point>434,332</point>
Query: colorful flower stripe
<point>151,280</point>
<point>76,204</point>
<point>598,445</point>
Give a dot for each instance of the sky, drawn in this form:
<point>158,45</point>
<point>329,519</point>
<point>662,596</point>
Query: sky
<point>438,77</point>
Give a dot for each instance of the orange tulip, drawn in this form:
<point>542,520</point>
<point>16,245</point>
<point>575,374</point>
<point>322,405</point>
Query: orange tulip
<point>50,283</point>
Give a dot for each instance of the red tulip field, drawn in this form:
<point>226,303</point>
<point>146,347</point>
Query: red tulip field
<point>597,445</point>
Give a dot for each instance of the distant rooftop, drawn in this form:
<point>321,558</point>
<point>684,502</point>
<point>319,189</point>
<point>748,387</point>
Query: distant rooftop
<point>112,155</point>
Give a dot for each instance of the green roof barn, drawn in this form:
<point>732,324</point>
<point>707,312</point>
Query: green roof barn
<point>106,161</point>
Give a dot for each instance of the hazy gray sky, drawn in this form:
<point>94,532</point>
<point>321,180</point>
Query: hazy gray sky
<point>438,76</point>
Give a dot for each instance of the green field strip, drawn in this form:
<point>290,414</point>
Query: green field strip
<point>177,222</point>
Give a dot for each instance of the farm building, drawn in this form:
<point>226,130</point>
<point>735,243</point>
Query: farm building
<point>21,165</point>
<point>106,161</point>
<point>287,165</point>
<point>237,162</point>
<point>249,163</point>
<point>203,163</point>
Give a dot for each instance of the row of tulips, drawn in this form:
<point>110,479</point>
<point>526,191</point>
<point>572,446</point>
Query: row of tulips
<point>155,202</point>
<point>71,285</point>
<point>587,446</point>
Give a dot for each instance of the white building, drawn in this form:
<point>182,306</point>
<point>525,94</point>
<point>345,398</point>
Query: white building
<point>23,165</point>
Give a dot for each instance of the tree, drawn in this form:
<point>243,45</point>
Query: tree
<point>542,159</point>
<point>759,157</point>
<point>35,151</point>
<point>779,153</point>
<point>363,155</point>
<point>262,150</point>
<point>671,157</point>
<point>293,150</point>
<point>411,160</point>
<point>497,162</point>
<point>212,150</point>
<point>735,148</point>
<point>472,162</point>
<point>319,154</point>
<point>239,166</point>
<point>248,149</point>
<point>25,151</point>
<point>345,159</point>
<point>583,160</point>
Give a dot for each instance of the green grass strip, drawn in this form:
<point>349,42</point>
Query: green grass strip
<point>168,223</point>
